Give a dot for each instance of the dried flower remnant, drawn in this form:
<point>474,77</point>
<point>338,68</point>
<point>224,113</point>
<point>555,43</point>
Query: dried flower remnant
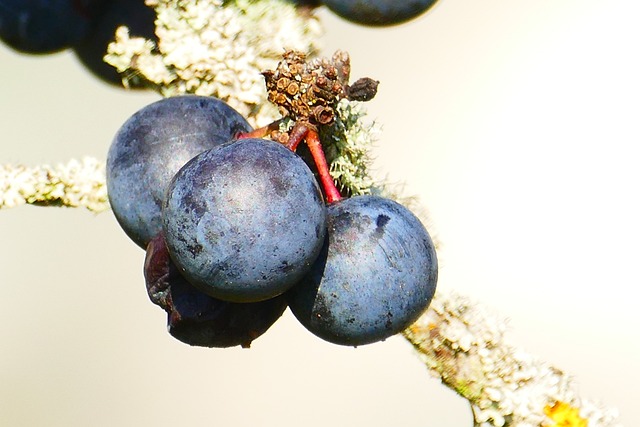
<point>308,92</point>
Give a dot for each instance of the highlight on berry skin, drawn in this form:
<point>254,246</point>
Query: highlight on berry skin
<point>152,145</point>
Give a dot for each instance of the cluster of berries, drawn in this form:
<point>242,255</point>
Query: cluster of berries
<point>237,229</point>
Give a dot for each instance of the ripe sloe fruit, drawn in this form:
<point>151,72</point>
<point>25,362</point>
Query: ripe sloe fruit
<point>135,15</point>
<point>152,145</point>
<point>245,220</point>
<point>375,276</point>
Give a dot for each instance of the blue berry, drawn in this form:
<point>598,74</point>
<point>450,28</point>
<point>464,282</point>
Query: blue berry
<point>379,12</point>
<point>374,277</point>
<point>244,221</point>
<point>306,3</point>
<point>135,15</point>
<point>198,319</point>
<point>152,146</point>
<point>44,26</point>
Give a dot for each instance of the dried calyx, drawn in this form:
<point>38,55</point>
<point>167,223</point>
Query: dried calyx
<point>308,91</point>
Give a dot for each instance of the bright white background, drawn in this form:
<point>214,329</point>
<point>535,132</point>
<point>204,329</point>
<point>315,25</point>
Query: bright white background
<point>515,123</point>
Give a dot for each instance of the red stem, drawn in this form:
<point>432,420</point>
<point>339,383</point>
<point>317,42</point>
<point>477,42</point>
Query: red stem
<point>300,132</point>
<point>260,132</point>
<point>315,147</point>
<point>297,134</point>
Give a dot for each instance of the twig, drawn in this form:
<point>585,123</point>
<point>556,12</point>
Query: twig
<point>74,184</point>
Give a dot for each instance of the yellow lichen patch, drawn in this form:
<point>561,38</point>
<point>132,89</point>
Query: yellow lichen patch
<point>565,415</point>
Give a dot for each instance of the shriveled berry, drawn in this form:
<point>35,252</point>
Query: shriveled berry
<point>198,319</point>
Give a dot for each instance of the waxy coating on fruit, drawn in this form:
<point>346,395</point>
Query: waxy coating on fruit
<point>152,145</point>
<point>244,221</point>
<point>375,276</point>
<point>198,319</point>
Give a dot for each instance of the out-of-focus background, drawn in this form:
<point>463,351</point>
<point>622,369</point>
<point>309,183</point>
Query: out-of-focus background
<point>514,122</point>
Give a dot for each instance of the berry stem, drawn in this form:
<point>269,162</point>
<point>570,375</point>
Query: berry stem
<point>260,132</point>
<point>304,131</point>
<point>297,134</point>
<point>326,180</point>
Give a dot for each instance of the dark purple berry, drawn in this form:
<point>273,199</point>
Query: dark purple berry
<point>244,221</point>
<point>152,145</point>
<point>198,319</point>
<point>133,14</point>
<point>379,12</point>
<point>45,26</point>
<point>374,277</point>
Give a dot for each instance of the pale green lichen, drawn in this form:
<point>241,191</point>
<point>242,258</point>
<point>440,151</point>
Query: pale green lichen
<point>347,144</point>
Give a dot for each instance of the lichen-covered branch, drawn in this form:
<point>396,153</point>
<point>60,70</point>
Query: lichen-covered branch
<point>347,144</point>
<point>216,48</point>
<point>464,344</point>
<point>74,184</point>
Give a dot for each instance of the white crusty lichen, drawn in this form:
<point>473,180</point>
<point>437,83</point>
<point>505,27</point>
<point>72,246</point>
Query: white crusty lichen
<point>78,183</point>
<point>464,344</point>
<point>216,48</point>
